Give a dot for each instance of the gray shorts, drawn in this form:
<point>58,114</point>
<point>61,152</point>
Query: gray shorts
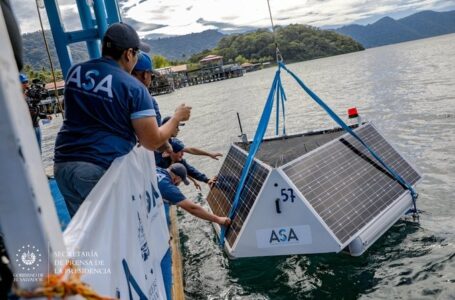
<point>75,180</point>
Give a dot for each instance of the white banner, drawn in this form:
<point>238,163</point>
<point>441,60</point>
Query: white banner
<point>119,235</point>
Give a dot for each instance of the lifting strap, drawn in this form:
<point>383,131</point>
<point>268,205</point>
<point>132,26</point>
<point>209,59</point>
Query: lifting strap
<point>259,135</point>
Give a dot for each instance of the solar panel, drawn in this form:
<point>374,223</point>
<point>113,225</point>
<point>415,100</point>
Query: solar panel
<point>221,196</point>
<point>278,151</point>
<point>345,185</point>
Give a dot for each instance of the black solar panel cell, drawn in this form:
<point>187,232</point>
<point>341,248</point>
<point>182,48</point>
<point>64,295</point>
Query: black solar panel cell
<point>222,195</point>
<point>277,152</point>
<point>345,185</point>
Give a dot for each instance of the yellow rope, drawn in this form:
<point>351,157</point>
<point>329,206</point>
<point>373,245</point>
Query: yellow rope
<point>62,286</point>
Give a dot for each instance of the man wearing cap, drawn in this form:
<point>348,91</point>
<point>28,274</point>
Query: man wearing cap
<point>143,72</point>
<point>193,150</point>
<point>168,181</point>
<point>107,113</point>
<point>176,156</point>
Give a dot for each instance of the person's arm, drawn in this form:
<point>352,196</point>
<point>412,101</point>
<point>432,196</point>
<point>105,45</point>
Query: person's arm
<point>151,136</point>
<point>196,185</point>
<point>193,172</point>
<point>197,151</point>
<point>165,147</point>
<point>198,211</point>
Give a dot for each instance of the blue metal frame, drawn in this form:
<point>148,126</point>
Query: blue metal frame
<point>95,20</point>
<point>85,14</point>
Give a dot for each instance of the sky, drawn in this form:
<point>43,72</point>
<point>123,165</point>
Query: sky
<point>154,18</point>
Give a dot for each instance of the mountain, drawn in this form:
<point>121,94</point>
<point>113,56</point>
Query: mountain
<point>389,31</point>
<point>173,48</point>
<point>182,47</point>
<point>35,51</point>
<point>296,42</point>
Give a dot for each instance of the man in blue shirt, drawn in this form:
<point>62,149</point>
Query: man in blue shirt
<point>165,157</point>
<point>176,156</point>
<point>168,181</point>
<point>143,72</point>
<point>107,111</point>
<point>193,150</point>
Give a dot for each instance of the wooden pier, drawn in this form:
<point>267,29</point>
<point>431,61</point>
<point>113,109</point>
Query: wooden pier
<point>209,69</point>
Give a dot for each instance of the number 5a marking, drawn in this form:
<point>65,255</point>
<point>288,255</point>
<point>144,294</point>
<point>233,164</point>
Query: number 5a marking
<point>287,194</point>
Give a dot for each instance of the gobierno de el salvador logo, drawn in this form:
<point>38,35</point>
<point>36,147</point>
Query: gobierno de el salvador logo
<point>28,258</point>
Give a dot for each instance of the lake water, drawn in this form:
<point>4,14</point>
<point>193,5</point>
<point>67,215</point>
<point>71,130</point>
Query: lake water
<point>408,91</point>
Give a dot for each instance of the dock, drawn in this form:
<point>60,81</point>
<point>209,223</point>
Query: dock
<point>177,266</point>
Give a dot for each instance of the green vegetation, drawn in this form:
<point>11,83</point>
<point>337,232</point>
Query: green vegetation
<point>160,62</point>
<point>296,43</point>
<point>35,53</point>
<point>43,74</point>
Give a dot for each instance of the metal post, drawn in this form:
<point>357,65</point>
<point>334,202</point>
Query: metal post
<point>101,18</point>
<point>88,23</point>
<point>58,32</point>
<point>113,12</point>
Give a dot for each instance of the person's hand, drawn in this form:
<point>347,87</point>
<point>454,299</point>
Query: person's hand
<point>212,181</point>
<point>216,155</point>
<point>165,147</point>
<point>167,153</point>
<point>182,112</point>
<point>197,185</point>
<point>224,221</point>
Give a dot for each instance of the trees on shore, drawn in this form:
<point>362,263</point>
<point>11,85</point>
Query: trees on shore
<point>296,43</point>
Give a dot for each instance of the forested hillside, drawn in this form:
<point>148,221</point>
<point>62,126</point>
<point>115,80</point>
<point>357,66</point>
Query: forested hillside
<point>173,48</point>
<point>296,43</point>
<point>35,51</point>
<point>182,47</point>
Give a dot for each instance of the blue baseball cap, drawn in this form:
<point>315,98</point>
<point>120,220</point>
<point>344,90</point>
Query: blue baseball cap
<point>144,63</point>
<point>177,145</point>
<point>23,78</point>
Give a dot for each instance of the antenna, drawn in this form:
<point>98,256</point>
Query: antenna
<point>242,135</point>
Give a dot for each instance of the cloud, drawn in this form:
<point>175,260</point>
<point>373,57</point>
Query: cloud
<point>27,15</point>
<point>225,27</point>
<point>139,26</point>
<point>175,17</point>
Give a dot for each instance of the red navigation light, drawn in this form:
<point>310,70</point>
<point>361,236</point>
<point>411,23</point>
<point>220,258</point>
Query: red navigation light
<point>352,112</point>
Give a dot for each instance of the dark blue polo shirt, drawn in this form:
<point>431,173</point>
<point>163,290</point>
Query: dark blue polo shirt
<point>168,190</point>
<point>157,111</point>
<point>165,162</point>
<point>101,100</point>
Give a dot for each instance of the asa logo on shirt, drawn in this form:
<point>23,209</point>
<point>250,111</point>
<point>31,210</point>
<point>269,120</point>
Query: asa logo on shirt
<point>91,81</point>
